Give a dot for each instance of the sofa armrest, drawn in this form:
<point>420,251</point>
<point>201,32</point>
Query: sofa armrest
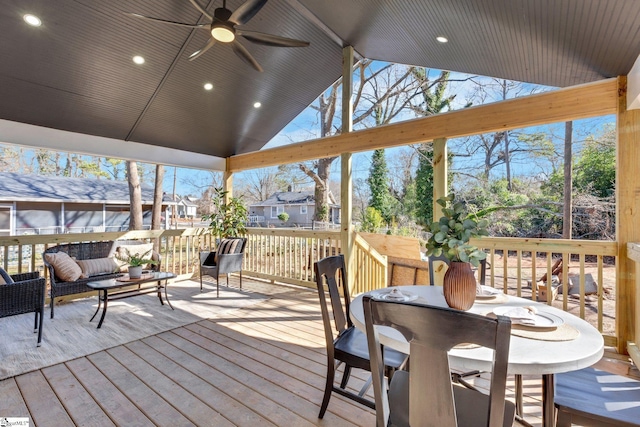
<point>25,276</point>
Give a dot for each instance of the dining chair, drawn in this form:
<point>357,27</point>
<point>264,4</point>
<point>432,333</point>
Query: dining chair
<point>347,345</point>
<point>425,395</point>
<point>592,397</point>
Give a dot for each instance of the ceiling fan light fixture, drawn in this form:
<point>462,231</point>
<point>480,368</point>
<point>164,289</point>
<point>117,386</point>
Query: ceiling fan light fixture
<point>223,32</point>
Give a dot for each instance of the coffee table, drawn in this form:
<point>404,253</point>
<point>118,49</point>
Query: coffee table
<point>114,289</point>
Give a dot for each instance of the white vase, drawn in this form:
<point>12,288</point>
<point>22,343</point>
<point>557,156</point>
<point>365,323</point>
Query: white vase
<point>135,272</point>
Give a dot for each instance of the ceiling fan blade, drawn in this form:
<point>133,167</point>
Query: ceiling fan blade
<point>244,54</point>
<point>200,9</point>
<point>270,39</point>
<point>246,11</point>
<point>164,21</point>
<point>203,49</point>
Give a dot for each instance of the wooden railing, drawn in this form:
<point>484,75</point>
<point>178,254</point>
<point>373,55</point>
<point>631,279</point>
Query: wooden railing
<point>590,264</point>
<point>287,255</point>
<point>179,248</point>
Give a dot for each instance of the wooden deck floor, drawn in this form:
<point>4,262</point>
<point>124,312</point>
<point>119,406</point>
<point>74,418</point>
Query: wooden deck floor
<point>258,366</point>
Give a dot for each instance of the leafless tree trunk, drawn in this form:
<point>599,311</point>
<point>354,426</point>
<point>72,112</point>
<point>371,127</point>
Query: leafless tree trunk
<point>135,196</point>
<point>567,223</point>
<point>156,213</point>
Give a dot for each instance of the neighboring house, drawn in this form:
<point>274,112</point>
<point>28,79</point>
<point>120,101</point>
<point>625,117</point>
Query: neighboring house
<point>300,205</point>
<point>186,207</point>
<point>39,204</point>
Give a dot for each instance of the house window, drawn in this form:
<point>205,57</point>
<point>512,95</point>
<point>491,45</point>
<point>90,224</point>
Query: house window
<point>303,209</point>
<point>276,210</point>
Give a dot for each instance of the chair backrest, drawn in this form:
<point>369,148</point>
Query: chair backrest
<point>441,258</point>
<point>431,333</point>
<point>330,273</point>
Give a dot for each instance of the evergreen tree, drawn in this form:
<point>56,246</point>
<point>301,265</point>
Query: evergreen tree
<point>378,182</point>
<point>424,186</point>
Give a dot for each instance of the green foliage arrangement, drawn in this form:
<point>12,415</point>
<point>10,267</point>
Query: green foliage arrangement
<point>284,217</point>
<point>450,235</point>
<point>136,260</point>
<point>228,219</point>
<point>372,220</point>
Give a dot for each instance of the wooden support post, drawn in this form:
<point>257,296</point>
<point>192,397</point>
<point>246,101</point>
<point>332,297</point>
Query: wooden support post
<point>440,170</point>
<point>227,184</point>
<point>346,183</point>
<point>627,219</point>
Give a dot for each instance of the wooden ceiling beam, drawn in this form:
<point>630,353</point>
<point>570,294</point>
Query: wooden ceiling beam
<point>572,103</point>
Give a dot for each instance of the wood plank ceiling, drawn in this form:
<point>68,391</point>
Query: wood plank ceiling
<point>75,72</point>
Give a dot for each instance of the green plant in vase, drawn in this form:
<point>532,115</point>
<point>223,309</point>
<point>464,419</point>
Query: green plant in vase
<point>228,219</point>
<point>136,261</point>
<point>450,237</point>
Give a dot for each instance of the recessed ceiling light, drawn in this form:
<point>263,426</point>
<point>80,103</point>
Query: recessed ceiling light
<point>442,39</point>
<point>208,86</point>
<point>138,59</point>
<point>32,20</point>
<point>257,105</point>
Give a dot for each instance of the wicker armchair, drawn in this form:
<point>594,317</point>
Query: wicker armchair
<point>23,293</point>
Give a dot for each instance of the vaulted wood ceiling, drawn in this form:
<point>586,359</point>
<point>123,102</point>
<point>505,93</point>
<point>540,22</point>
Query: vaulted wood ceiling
<point>75,72</point>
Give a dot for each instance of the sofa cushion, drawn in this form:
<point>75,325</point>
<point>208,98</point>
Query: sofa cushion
<point>93,267</point>
<point>227,246</point>
<point>64,266</point>
<point>122,249</point>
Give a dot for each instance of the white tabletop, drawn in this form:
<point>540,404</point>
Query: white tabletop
<point>526,356</point>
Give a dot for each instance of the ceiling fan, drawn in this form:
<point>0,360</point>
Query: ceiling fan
<point>224,28</point>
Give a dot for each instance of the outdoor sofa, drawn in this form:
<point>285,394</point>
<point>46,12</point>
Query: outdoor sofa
<point>87,262</point>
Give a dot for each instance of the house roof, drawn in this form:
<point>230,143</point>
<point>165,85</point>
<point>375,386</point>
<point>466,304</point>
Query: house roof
<point>75,72</point>
<point>43,188</point>
<point>292,198</point>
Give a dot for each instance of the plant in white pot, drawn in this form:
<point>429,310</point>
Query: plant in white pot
<point>136,262</point>
<point>450,238</point>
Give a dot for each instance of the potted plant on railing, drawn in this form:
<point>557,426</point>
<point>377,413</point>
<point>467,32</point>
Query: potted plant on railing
<point>136,262</point>
<point>450,238</point>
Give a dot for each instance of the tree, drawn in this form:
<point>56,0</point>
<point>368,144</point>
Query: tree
<point>568,182</point>
<point>382,93</point>
<point>432,101</point>
<point>372,221</point>
<point>596,166</point>
<point>378,181</point>
<point>135,196</point>
<point>156,212</point>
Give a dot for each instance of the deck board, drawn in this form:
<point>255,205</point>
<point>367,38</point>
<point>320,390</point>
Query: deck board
<point>262,365</point>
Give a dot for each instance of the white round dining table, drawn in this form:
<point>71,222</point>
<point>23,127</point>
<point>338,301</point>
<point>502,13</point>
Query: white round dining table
<point>526,356</point>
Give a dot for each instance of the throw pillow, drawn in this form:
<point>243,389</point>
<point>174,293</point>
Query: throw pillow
<point>65,268</point>
<point>226,246</point>
<point>140,248</point>
<point>93,267</point>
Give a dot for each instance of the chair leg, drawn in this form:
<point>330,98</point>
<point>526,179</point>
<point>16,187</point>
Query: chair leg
<point>51,304</point>
<point>35,324</point>
<point>217,285</point>
<point>345,376</point>
<point>240,279</point>
<point>331,372</point>
<point>200,281</point>
<point>40,317</point>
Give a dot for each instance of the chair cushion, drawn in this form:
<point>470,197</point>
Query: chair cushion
<point>4,277</point>
<point>64,266</point>
<point>471,405</point>
<point>352,343</point>
<point>93,267</point>
<point>600,393</point>
<point>227,246</point>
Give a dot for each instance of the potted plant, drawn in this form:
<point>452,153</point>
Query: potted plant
<point>136,262</point>
<point>284,217</point>
<point>450,238</point>
<point>227,219</point>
